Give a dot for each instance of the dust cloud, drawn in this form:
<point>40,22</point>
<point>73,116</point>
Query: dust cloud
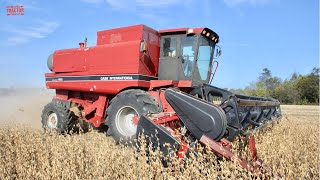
<point>23,105</point>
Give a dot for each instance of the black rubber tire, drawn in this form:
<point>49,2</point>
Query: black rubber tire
<point>140,100</point>
<point>63,114</point>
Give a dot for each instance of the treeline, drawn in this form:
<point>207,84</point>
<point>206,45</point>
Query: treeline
<point>299,89</point>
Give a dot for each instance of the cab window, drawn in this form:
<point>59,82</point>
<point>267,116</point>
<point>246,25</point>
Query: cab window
<point>204,58</point>
<point>188,47</point>
<point>169,45</point>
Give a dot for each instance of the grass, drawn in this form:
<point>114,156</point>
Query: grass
<point>290,148</point>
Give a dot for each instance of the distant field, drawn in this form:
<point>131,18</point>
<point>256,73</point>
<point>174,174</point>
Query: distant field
<point>290,148</point>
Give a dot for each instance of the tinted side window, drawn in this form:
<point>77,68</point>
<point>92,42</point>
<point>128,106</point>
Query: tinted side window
<point>169,45</point>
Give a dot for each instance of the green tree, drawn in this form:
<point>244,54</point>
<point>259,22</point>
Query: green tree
<point>286,92</point>
<point>294,76</point>
<point>265,75</point>
<point>271,84</point>
<point>266,84</point>
<point>261,89</point>
<point>299,89</point>
<point>308,86</point>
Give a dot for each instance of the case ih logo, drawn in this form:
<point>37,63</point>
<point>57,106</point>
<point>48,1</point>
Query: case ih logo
<point>15,10</point>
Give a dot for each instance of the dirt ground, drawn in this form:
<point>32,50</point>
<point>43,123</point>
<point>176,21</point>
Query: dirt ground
<point>290,148</point>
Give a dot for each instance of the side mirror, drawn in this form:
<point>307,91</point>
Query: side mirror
<point>217,52</point>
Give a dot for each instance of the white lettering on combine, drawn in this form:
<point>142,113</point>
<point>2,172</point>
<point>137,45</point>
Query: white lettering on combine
<point>121,78</point>
<point>104,78</point>
<point>117,78</point>
<point>57,79</point>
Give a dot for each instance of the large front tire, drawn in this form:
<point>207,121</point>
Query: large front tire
<point>123,108</point>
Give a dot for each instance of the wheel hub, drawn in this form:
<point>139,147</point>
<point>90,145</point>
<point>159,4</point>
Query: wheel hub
<point>124,121</point>
<point>52,121</point>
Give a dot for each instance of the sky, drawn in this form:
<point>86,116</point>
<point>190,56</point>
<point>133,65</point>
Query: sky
<point>280,35</point>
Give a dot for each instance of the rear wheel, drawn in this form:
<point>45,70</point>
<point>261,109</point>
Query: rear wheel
<point>56,116</point>
<point>123,108</point>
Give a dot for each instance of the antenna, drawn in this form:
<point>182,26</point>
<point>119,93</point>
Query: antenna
<point>85,41</point>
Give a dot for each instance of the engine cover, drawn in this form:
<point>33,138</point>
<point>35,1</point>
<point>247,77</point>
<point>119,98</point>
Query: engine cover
<point>200,117</point>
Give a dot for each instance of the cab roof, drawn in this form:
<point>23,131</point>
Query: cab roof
<point>180,30</point>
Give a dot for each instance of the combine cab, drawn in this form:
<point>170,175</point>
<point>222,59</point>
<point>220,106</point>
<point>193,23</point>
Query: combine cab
<point>139,80</point>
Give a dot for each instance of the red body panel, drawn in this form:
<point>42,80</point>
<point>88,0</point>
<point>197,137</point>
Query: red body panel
<point>124,58</point>
<point>109,87</point>
<point>114,87</point>
<point>117,52</point>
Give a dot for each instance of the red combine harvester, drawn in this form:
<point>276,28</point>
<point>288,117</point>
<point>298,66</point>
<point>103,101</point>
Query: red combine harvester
<point>139,80</point>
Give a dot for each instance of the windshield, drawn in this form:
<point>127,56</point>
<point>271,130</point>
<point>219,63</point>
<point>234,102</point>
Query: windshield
<point>205,55</point>
<point>203,61</point>
<point>188,53</point>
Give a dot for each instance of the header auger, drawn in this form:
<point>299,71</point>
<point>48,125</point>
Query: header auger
<point>139,80</point>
